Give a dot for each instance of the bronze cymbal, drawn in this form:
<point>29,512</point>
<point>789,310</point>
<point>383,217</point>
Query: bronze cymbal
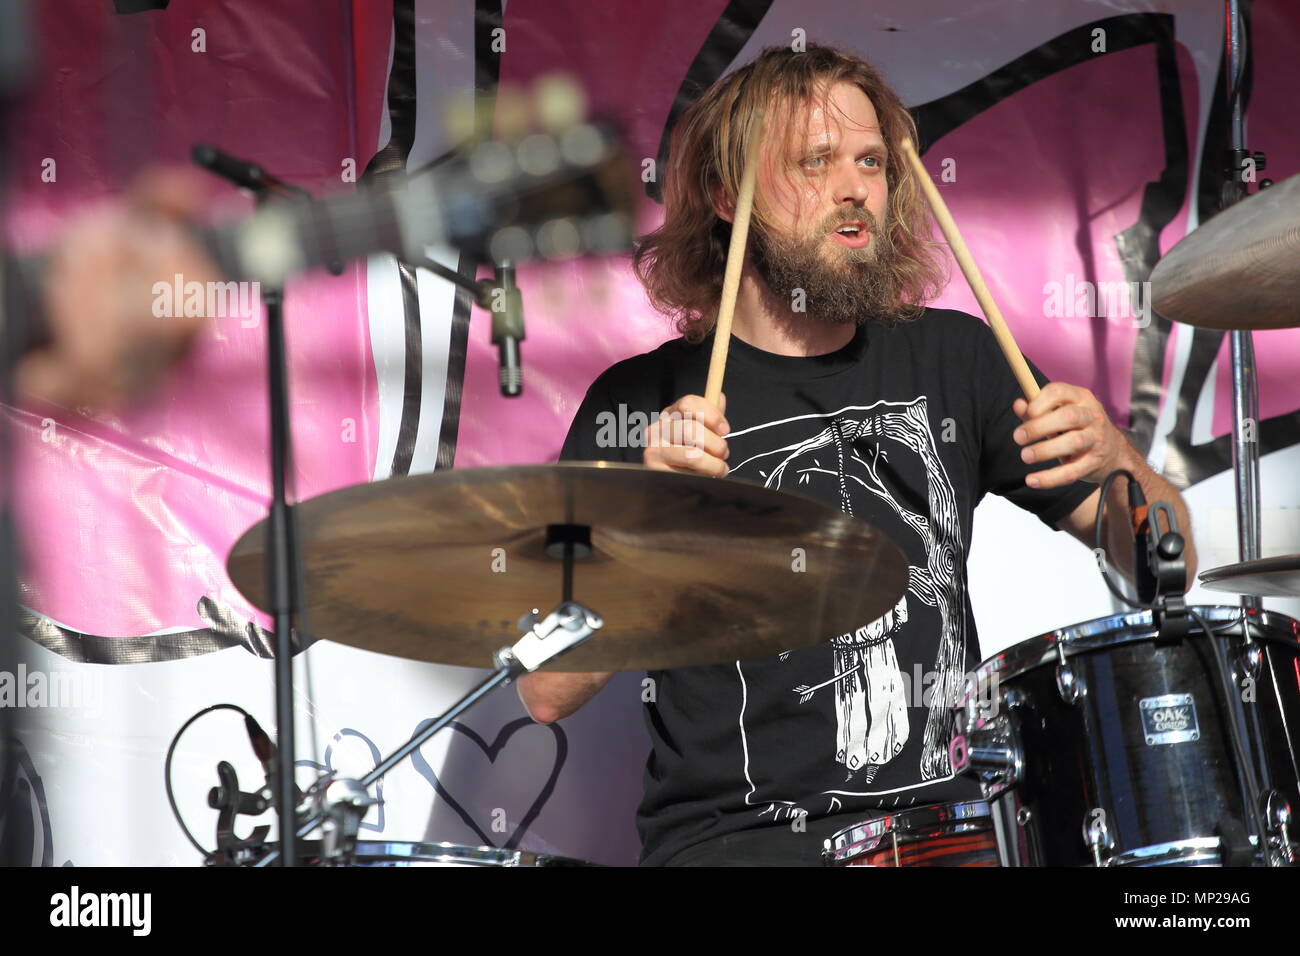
<point>1263,577</point>
<point>1240,270</point>
<point>685,570</point>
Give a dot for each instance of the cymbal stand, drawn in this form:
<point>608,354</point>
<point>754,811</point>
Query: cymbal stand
<point>1245,386</point>
<point>1268,812</point>
<point>568,626</point>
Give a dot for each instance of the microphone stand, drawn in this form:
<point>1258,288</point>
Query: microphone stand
<point>282,579</point>
<point>499,295</point>
<point>282,568</point>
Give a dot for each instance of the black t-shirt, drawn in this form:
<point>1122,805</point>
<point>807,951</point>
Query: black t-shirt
<point>906,427</point>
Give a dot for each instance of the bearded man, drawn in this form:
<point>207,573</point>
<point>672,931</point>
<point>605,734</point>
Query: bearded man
<point>843,385</point>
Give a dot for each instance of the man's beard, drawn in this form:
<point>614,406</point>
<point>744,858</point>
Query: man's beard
<point>854,287</point>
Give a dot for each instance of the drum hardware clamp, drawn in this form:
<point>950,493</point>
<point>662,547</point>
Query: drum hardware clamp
<point>1069,685</point>
<point>1277,820</point>
<point>1096,835</point>
<point>344,803</point>
<point>992,753</point>
<point>565,628</point>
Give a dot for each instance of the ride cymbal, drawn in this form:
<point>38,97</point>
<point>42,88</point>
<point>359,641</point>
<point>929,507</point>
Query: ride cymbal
<point>1263,577</point>
<point>1240,270</point>
<point>685,570</point>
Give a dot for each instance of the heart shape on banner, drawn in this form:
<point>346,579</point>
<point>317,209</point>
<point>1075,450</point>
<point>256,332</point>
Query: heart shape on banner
<point>491,751</point>
<point>328,767</point>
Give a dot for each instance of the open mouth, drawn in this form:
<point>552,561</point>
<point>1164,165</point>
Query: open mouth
<point>855,235</point>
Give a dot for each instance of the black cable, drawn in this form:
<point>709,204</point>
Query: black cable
<point>167,772</point>
<point>1097,546</point>
<point>1248,783</point>
<point>1096,537</point>
<point>1103,565</point>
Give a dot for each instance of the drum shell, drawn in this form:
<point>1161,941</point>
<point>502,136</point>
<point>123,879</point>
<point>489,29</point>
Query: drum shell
<point>386,853</point>
<point>1162,797</point>
<point>951,834</point>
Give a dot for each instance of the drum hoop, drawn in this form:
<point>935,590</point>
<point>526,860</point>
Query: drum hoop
<point>399,850</point>
<point>1128,627</point>
<point>1189,852</point>
<point>865,836</point>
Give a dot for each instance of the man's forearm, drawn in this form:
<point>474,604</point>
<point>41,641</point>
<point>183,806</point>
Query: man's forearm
<point>549,696</point>
<point>1119,533</point>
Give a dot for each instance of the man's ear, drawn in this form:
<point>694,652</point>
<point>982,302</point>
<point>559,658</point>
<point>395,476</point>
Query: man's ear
<point>723,204</point>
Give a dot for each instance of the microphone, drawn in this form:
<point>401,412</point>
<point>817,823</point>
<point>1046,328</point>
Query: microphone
<point>263,748</point>
<point>230,801</point>
<point>1144,578</point>
<point>507,307</point>
<point>241,172</point>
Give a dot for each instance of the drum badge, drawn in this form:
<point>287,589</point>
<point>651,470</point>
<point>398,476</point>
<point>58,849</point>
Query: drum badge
<point>1169,719</point>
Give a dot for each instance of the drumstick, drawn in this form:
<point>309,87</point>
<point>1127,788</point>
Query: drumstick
<point>735,260</point>
<point>1028,384</point>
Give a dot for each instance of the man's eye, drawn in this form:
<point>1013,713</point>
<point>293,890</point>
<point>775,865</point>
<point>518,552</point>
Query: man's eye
<point>808,163</point>
<point>874,159</point>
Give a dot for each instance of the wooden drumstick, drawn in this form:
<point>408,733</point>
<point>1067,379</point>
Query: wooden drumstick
<point>1028,384</point>
<point>735,260</point>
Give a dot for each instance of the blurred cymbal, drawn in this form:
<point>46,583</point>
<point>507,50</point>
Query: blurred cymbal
<point>1265,577</point>
<point>685,570</point>
<point>1240,270</point>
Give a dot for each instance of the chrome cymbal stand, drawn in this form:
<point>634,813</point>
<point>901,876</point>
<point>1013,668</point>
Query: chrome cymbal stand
<point>1269,813</point>
<point>346,803</point>
<point>1245,386</point>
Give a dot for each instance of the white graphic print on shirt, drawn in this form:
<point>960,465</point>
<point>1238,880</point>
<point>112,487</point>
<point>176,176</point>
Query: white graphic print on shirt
<point>860,451</point>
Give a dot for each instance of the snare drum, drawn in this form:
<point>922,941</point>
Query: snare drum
<point>377,853</point>
<point>1098,745</point>
<point>944,834</point>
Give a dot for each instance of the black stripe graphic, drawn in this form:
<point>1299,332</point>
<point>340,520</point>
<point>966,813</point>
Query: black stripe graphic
<point>224,630</point>
<point>1189,462</point>
<point>1138,245</point>
<point>1185,463</point>
<point>390,163</point>
<point>488,16</point>
<point>413,381</point>
<point>736,24</point>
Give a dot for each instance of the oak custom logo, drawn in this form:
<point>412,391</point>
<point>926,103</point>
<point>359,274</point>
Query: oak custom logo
<point>1169,719</point>
<point>74,909</point>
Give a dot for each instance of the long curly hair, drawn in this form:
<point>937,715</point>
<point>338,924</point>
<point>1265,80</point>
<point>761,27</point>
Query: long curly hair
<point>681,263</point>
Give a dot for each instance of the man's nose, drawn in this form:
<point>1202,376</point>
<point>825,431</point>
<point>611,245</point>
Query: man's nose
<point>848,185</point>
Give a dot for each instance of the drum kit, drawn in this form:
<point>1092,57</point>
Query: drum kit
<point>406,567</point>
<point>1114,742</point>
<point>1169,735</point>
